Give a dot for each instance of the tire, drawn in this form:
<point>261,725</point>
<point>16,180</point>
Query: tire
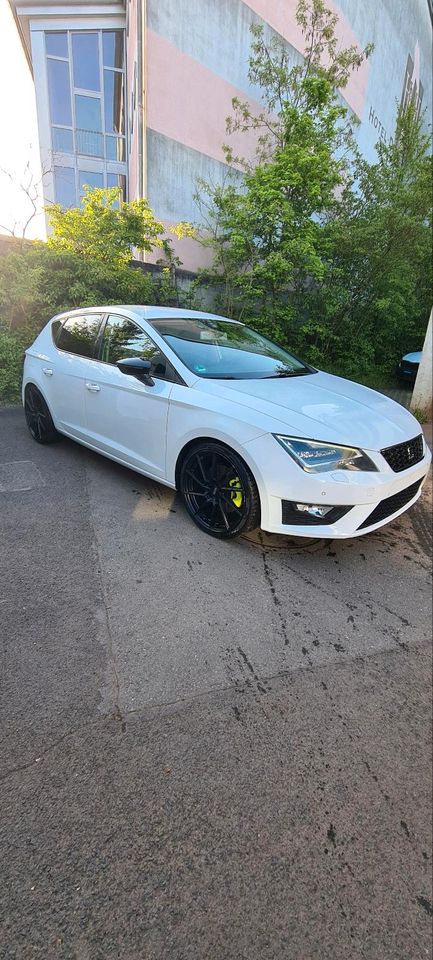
<point>38,417</point>
<point>219,491</point>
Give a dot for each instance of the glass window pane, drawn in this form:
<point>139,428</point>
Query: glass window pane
<point>59,92</point>
<point>122,338</point>
<point>64,186</point>
<point>112,44</point>
<point>85,56</point>
<point>90,179</point>
<point>63,141</point>
<point>117,180</point>
<point>78,334</point>
<point>113,102</point>
<point>215,348</point>
<point>87,113</point>
<point>115,148</point>
<point>89,144</point>
<point>56,44</point>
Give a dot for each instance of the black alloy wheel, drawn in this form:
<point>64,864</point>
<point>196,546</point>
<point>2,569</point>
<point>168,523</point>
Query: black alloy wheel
<point>39,420</point>
<point>219,491</point>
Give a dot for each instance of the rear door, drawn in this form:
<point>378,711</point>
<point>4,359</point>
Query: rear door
<point>66,376</point>
<point>127,418</point>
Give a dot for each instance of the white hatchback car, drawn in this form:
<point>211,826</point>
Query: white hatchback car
<point>250,435</point>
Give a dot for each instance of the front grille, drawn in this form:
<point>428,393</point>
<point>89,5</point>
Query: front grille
<point>387,507</point>
<point>404,455</point>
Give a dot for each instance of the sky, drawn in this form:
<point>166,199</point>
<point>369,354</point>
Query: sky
<point>19,133</point>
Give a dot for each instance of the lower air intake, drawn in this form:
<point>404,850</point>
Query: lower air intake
<point>387,507</point>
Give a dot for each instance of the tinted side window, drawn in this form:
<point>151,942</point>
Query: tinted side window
<point>122,338</point>
<point>55,327</point>
<point>78,334</point>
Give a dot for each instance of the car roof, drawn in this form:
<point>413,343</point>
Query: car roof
<point>415,356</point>
<point>148,313</point>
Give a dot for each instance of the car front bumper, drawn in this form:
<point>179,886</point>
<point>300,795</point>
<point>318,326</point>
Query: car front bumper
<point>279,481</point>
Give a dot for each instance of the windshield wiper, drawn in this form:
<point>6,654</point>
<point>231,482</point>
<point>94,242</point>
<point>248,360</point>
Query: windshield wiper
<point>286,373</point>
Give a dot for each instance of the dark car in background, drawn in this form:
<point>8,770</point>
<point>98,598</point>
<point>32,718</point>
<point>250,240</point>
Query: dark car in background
<point>408,367</point>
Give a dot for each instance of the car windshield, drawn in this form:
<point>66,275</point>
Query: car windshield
<point>227,350</point>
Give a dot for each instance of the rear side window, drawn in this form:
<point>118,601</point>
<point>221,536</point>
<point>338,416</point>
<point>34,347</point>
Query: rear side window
<point>78,334</point>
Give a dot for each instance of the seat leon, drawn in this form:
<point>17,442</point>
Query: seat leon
<point>247,433</point>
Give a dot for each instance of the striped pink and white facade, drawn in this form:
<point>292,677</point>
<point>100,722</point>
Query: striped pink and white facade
<point>197,60</point>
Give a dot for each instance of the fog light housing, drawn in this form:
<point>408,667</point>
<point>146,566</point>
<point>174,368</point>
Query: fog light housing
<point>313,509</point>
<point>310,513</point>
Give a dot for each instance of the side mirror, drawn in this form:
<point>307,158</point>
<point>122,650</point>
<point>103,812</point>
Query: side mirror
<point>136,367</point>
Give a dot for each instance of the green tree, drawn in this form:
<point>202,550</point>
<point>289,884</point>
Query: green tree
<point>104,228</point>
<point>85,262</point>
<point>373,301</point>
<point>40,282</point>
<point>265,232</point>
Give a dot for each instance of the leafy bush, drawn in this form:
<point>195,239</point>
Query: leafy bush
<point>11,363</point>
<point>323,251</point>
<point>40,282</point>
<point>86,262</point>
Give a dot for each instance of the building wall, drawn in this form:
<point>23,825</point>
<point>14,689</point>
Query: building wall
<point>399,30</point>
<point>197,61</point>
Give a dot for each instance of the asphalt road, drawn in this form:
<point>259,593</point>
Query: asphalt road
<point>208,751</point>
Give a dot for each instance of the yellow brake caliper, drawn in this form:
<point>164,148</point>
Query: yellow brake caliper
<point>236,494</point>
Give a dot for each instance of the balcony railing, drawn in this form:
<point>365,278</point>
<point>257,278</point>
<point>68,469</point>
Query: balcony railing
<point>90,143</point>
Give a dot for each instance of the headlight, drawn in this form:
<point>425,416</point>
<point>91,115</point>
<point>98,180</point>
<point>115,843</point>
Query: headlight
<point>316,457</point>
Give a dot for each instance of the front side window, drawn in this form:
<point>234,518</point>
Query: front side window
<point>123,339</point>
<point>224,350</point>
<point>78,334</point>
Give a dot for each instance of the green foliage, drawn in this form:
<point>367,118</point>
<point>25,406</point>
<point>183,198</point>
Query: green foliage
<point>321,250</point>
<point>12,348</point>
<point>85,262</point>
<point>104,228</point>
<point>41,281</point>
<point>375,294</point>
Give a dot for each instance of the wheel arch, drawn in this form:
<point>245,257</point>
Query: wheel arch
<point>31,382</point>
<point>196,441</point>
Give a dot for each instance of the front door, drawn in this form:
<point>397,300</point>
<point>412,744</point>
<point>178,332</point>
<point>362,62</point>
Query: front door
<point>125,417</point>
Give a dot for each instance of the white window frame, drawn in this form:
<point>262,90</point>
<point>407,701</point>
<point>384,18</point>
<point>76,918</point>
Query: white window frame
<point>50,157</point>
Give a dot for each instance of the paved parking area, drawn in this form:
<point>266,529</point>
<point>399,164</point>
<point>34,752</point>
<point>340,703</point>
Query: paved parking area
<point>209,751</point>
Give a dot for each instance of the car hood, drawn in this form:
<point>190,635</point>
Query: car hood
<point>321,407</point>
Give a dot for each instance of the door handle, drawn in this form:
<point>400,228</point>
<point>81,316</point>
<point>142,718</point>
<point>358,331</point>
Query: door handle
<point>47,371</point>
<point>93,387</point>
